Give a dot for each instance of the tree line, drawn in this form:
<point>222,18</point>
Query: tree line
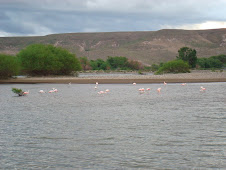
<point>111,63</point>
<point>40,59</point>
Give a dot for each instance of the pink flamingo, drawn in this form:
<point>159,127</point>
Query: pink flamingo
<point>26,92</point>
<point>165,83</point>
<point>134,83</point>
<point>107,90</point>
<point>53,90</point>
<point>41,91</point>
<point>101,92</point>
<point>159,89</point>
<point>148,89</point>
<point>141,90</point>
<point>202,89</point>
<point>183,84</point>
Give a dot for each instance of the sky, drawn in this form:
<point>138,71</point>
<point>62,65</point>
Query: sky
<point>43,17</point>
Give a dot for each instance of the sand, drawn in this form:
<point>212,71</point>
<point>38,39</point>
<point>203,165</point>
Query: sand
<point>195,77</point>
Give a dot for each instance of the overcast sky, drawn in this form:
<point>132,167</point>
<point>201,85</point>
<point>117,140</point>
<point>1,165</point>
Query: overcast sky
<point>42,17</point>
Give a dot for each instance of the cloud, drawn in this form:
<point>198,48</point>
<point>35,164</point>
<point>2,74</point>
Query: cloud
<point>200,26</point>
<point>23,17</point>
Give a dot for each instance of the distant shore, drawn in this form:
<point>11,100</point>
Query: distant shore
<point>193,77</point>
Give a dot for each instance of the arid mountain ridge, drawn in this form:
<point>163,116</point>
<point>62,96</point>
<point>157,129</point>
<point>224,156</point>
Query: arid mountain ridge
<point>146,46</point>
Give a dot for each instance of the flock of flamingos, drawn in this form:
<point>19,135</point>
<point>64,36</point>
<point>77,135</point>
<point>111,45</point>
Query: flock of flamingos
<point>141,90</point>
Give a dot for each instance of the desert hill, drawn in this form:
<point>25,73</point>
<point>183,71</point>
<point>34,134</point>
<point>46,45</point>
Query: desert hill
<point>146,46</point>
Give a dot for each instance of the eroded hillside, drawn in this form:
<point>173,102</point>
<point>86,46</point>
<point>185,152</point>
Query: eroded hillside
<point>148,47</point>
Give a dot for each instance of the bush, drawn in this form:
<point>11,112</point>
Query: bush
<point>175,66</point>
<point>18,91</point>
<point>212,62</point>
<point>39,59</point>
<point>135,65</point>
<point>99,64</point>
<point>85,63</point>
<point>155,67</point>
<point>9,66</point>
<point>118,63</point>
<point>220,57</point>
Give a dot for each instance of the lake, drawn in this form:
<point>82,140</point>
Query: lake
<point>76,128</point>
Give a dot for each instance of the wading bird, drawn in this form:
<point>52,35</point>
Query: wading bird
<point>159,89</point>
<point>26,92</point>
<point>41,91</point>
<point>202,89</point>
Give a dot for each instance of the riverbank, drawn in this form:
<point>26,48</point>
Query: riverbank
<point>120,78</point>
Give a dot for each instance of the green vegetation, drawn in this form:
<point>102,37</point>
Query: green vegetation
<point>189,55</point>
<point>85,64</point>
<point>118,63</point>
<point>154,67</point>
<point>99,64</point>
<point>18,91</point>
<point>115,63</point>
<point>175,66</point>
<point>39,59</point>
<point>9,66</point>
<point>212,62</point>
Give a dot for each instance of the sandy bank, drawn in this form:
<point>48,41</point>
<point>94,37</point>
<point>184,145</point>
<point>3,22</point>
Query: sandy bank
<point>194,76</point>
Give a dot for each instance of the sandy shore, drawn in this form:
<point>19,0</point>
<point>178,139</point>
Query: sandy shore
<point>194,76</point>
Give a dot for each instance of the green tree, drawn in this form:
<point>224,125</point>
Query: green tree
<point>202,62</point>
<point>189,55</point>
<point>40,59</point>
<point>9,66</point>
<point>220,57</point>
<point>118,62</point>
<point>175,66</point>
<point>99,64</point>
<point>212,62</point>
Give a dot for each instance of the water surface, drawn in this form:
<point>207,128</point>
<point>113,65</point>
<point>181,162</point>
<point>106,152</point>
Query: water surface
<point>76,128</point>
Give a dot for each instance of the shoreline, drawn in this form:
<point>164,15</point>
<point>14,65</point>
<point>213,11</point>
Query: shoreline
<point>196,76</point>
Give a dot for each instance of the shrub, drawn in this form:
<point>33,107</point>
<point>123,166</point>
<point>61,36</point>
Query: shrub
<point>99,64</point>
<point>135,65</point>
<point>85,63</point>
<point>9,66</point>
<point>39,59</point>
<point>154,67</point>
<point>18,91</point>
<point>118,63</point>
<point>175,66</point>
<point>212,62</point>
<point>220,57</point>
